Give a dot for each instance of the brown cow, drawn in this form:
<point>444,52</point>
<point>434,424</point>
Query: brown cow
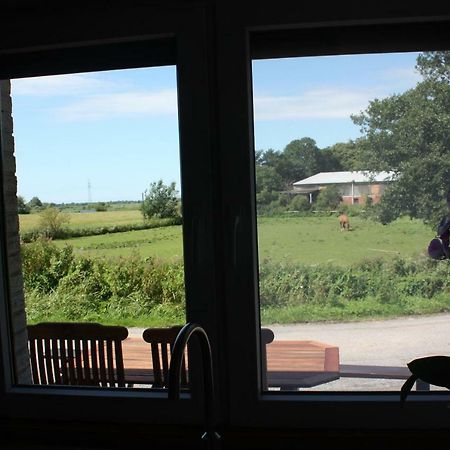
<point>344,223</point>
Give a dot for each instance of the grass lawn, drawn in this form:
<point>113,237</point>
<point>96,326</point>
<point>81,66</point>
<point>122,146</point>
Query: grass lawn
<point>311,240</point>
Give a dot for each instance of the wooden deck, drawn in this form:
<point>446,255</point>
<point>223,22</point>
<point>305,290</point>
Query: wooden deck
<point>290,364</point>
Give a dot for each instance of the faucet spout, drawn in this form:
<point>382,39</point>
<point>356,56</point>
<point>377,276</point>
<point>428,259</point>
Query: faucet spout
<point>210,435</point>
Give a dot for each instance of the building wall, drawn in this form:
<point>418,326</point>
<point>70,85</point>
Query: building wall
<point>12,242</point>
<point>361,192</point>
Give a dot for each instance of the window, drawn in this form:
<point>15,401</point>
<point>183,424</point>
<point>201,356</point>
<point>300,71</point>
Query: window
<point>256,239</point>
<point>100,220</point>
<point>213,50</point>
<point>83,67</point>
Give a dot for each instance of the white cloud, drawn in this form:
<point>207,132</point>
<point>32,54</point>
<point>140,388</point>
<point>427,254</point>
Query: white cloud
<point>319,103</point>
<point>405,76</point>
<point>61,85</point>
<point>119,104</point>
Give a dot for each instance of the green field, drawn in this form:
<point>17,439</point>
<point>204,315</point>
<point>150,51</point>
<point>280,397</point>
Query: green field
<point>28,222</point>
<point>164,242</point>
<point>311,240</point>
<point>318,240</point>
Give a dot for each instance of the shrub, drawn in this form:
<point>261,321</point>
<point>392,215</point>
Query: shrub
<point>59,285</point>
<point>299,203</point>
<point>329,198</point>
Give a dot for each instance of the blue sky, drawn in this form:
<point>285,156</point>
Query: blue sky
<point>118,130</point>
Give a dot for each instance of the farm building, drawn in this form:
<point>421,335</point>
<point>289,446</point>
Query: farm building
<point>354,187</point>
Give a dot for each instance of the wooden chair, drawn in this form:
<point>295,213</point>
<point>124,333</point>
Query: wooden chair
<point>161,341</point>
<point>267,337</point>
<point>77,354</point>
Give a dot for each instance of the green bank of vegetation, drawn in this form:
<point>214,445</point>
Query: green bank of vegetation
<point>60,286</point>
<point>136,291</point>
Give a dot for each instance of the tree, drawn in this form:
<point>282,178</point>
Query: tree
<point>343,156</point>
<point>268,179</point>
<point>35,203</point>
<point>22,207</point>
<point>409,134</point>
<point>160,201</point>
<point>52,221</point>
<point>300,159</point>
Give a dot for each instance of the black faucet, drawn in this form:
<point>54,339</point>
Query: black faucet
<point>210,436</point>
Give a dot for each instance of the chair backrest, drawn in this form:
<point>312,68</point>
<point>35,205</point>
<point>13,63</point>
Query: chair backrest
<point>77,354</point>
<point>161,342</point>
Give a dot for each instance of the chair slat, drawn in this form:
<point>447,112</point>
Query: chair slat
<point>56,359</point>
<point>41,361</point>
<point>103,365</point>
<point>86,364</point>
<point>34,361</point>
<point>71,362</point>
<point>109,356</point>
<point>94,360</point>
<point>48,357</point>
<point>120,372</point>
<point>64,361</point>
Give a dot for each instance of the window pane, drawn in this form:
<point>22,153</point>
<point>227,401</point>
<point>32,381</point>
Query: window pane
<point>99,203</point>
<point>352,176</point>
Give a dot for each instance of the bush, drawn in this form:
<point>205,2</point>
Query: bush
<point>59,285</point>
<point>386,281</point>
<point>329,198</point>
<point>299,203</point>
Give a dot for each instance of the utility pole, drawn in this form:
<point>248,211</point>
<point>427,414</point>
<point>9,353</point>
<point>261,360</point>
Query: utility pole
<point>89,192</point>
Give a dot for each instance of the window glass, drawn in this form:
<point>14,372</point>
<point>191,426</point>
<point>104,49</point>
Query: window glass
<point>100,212</point>
<point>352,180</point>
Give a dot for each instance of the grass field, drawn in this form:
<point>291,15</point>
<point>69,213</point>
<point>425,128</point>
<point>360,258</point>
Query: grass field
<point>318,240</point>
<point>85,220</point>
<point>311,240</point>
<point>165,243</point>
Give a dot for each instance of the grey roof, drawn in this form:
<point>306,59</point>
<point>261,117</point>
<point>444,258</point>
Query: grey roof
<point>361,176</point>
